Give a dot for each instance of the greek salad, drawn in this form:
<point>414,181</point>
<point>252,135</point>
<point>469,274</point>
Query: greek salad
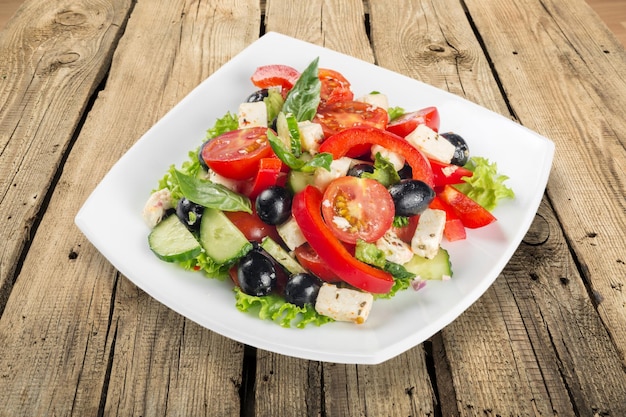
<point>315,202</point>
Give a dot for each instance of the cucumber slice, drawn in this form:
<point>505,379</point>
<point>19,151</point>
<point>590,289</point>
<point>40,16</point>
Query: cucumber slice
<point>281,256</point>
<point>298,180</point>
<point>220,238</point>
<point>171,241</point>
<point>436,268</point>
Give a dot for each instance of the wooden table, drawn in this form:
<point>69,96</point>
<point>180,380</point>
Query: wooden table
<point>81,80</point>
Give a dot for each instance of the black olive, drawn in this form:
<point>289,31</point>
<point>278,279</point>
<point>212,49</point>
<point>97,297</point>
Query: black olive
<point>302,289</point>
<point>189,213</point>
<point>461,151</point>
<point>257,96</point>
<point>411,197</point>
<point>273,205</point>
<point>256,274</point>
<point>200,158</point>
<point>406,172</point>
<point>359,169</point>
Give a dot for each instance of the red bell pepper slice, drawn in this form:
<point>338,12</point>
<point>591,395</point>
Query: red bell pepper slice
<point>454,229</point>
<point>472,214</point>
<point>340,143</point>
<point>306,209</point>
<point>269,174</point>
<point>447,173</point>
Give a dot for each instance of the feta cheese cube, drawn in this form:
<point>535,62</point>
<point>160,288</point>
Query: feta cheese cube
<point>428,234</point>
<point>394,248</point>
<point>375,99</point>
<point>343,304</point>
<point>252,115</point>
<point>338,168</point>
<point>156,206</point>
<point>396,159</point>
<point>434,146</point>
<point>291,234</point>
<point>229,183</point>
<point>311,136</point>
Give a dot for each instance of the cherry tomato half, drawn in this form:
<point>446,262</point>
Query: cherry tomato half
<point>357,208</point>
<point>306,210</point>
<point>267,76</point>
<point>335,117</point>
<point>407,123</point>
<point>312,262</point>
<point>236,154</point>
<point>334,87</point>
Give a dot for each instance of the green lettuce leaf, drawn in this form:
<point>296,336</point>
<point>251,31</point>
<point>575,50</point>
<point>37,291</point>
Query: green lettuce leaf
<point>486,186</point>
<point>275,308</point>
<point>394,112</point>
<point>384,171</point>
<point>225,124</point>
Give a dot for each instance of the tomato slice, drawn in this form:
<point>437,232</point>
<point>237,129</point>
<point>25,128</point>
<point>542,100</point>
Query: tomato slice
<point>407,123</point>
<point>267,76</point>
<point>312,262</point>
<point>236,154</point>
<point>471,214</point>
<point>340,144</point>
<point>270,173</point>
<point>335,117</point>
<point>454,228</point>
<point>357,208</point>
<point>447,173</point>
<point>253,228</point>
<point>334,87</point>
<point>306,210</point>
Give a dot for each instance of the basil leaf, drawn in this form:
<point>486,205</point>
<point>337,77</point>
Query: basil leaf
<point>282,152</point>
<point>211,195</point>
<point>304,96</point>
<point>320,160</point>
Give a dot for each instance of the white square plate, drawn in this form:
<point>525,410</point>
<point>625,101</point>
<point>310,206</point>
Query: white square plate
<point>111,216</point>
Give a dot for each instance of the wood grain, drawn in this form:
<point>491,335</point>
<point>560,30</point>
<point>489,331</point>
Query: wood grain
<point>46,87</point>
<point>493,333</point>
<point>335,388</point>
<point>589,139</point>
<point>93,362</point>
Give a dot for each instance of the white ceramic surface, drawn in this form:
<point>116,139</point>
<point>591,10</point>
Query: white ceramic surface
<point>111,216</point>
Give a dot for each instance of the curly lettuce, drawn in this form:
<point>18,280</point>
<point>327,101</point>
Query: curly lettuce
<point>274,307</point>
<point>486,186</point>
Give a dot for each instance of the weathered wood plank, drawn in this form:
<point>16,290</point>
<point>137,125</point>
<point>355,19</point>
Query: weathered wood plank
<point>128,354</point>
<point>437,45</point>
<point>51,61</point>
<point>337,25</point>
<point>577,102</point>
<point>347,389</point>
